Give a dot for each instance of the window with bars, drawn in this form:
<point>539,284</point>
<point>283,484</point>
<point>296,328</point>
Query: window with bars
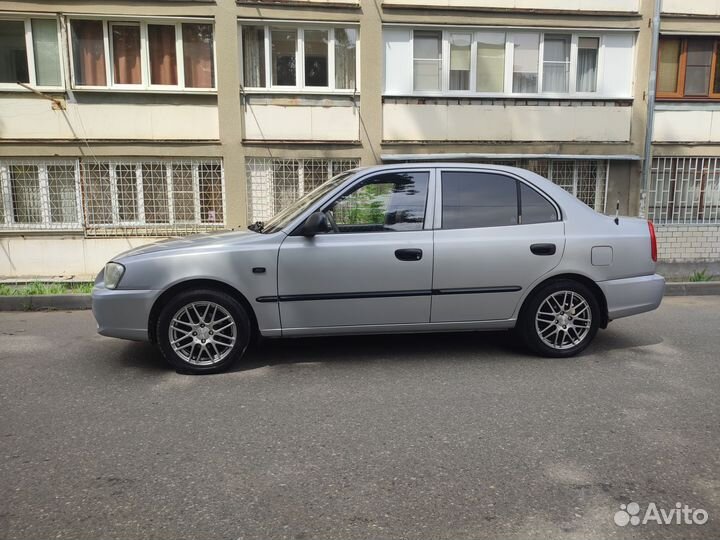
<point>275,183</point>
<point>149,197</point>
<point>39,195</point>
<point>584,178</point>
<point>684,190</point>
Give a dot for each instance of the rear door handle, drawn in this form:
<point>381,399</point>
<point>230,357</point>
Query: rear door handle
<point>543,249</point>
<point>408,254</point>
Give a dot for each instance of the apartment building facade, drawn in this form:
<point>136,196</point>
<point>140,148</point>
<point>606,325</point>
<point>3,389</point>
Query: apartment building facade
<point>141,120</point>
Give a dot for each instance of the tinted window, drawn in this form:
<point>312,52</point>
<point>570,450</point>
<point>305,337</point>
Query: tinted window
<point>477,199</point>
<point>535,207</point>
<point>388,202</point>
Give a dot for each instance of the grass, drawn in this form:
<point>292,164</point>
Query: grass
<point>700,275</point>
<point>38,287</point>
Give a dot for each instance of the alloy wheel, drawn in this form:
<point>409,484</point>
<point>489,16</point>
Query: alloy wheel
<point>202,333</point>
<point>563,320</point>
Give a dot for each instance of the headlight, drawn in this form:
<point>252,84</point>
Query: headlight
<point>113,273</point>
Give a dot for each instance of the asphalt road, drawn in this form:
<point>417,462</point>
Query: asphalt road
<point>434,436</point>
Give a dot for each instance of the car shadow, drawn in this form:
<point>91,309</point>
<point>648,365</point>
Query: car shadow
<point>490,346</point>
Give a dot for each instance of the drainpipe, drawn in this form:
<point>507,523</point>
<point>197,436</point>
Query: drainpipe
<point>652,84</point>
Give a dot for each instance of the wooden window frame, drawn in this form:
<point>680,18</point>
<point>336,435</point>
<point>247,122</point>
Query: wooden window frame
<point>679,94</point>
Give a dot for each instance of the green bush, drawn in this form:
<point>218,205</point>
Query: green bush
<point>701,275</point>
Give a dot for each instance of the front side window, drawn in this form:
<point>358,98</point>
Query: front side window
<point>172,56</point>
<point>525,63</point>
<point>427,60</point>
<point>390,202</point>
<point>478,199</point>
<point>686,66</point>
<point>556,63</point>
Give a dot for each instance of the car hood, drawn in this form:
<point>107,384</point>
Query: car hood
<point>198,241</point>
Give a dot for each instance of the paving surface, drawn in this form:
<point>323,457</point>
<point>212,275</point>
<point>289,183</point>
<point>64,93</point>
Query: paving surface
<point>433,436</point>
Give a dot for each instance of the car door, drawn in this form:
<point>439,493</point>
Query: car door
<point>374,265</point>
<point>495,235</point>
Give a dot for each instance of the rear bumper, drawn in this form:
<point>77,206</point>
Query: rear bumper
<point>631,296</point>
<point>121,313</point>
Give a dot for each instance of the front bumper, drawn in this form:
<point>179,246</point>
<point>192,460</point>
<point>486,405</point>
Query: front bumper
<point>631,296</point>
<point>123,313</point>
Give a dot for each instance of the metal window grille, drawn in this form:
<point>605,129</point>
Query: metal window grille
<point>684,190</point>
<point>586,179</point>
<point>273,183</point>
<point>152,197</point>
<point>39,195</point>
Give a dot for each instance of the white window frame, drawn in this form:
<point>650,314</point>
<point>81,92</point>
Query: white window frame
<point>145,85</point>
<point>30,53</point>
<point>46,222</point>
<point>299,86</point>
<point>509,60</point>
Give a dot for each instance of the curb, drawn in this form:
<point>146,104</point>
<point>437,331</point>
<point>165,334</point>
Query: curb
<point>83,301</point>
<point>700,288</point>
<point>45,302</point>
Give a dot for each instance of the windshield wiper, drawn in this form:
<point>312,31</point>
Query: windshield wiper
<point>257,226</point>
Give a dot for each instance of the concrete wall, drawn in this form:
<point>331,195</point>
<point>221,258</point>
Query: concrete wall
<point>687,125</point>
<point>66,256</point>
<point>691,7</point>
<point>28,116</point>
<point>455,121</point>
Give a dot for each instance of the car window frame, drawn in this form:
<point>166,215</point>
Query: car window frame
<point>322,205</point>
<point>437,223</point>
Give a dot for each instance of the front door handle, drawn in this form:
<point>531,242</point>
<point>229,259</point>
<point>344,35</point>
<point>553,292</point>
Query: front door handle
<point>408,254</point>
<point>543,249</point>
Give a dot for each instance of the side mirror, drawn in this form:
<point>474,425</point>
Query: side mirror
<point>315,223</point>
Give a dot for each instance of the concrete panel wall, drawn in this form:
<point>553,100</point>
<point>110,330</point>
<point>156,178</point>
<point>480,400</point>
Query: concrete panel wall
<point>692,7</point>
<point>31,117</point>
<point>687,126</point>
<point>453,122</point>
<point>301,123</point>
<point>630,6</point>
<point>61,256</point>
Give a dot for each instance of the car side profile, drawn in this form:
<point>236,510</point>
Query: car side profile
<point>388,249</point>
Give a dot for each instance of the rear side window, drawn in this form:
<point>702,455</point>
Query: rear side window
<point>478,199</point>
<point>535,208</point>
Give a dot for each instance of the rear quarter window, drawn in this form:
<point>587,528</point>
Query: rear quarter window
<point>534,207</point>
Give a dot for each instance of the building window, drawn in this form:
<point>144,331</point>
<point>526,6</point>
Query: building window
<point>684,190</point>
<point>490,62</point>
<point>520,63</point>
<point>152,196</point>
<point>427,60</point>
<point>39,194</point>
<point>526,49</point>
<point>313,59</point>
<point>140,55</point>
<point>688,68</point>
<point>556,63</point>
<point>273,184</point>
<point>30,53</point>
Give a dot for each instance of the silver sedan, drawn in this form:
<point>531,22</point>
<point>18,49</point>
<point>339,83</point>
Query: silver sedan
<point>422,248</point>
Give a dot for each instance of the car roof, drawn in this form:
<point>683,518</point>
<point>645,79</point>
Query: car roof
<point>439,164</point>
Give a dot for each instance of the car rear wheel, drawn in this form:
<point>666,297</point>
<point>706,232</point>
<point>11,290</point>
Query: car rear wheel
<point>560,319</point>
<point>203,331</point>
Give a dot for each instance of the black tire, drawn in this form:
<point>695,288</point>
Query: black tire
<point>204,364</point>
<point>530,333</point>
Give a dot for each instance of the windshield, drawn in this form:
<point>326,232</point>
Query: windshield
<point>282,219</point>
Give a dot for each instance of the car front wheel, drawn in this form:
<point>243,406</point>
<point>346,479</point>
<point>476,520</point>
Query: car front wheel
<point>203,331</point>
<point>560,319</point>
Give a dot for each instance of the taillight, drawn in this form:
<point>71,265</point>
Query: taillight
<point>653,241</point>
